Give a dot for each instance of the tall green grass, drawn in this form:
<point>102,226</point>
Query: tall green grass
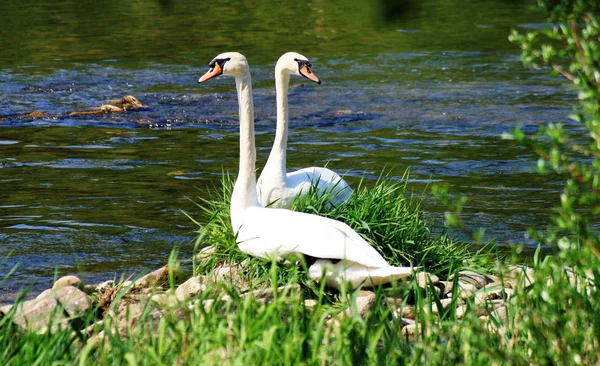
<point>384,214</point>
<point>552,321</point>
<point>391,219</point>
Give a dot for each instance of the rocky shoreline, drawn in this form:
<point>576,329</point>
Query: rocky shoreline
<point>69,300</point>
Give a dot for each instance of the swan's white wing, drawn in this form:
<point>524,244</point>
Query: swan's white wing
<point>326,180</point>
<point>314,173</point>
<point>267,232</point>
<point>274,191</point>
<point>324,176</point>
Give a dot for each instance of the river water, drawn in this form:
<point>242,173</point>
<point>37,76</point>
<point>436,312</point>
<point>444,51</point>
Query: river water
<point>428,86</point>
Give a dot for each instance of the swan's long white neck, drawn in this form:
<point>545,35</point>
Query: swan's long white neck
<point>276,166</point>
<point>244,192</point>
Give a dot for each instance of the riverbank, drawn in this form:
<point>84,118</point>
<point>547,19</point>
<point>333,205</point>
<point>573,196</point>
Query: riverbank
<point>519,314</point>
<point>225,307</point>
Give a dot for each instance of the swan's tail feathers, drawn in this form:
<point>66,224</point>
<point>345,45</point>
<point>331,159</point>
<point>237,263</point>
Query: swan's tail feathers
<point>379,276</point>
<point>356,274</point>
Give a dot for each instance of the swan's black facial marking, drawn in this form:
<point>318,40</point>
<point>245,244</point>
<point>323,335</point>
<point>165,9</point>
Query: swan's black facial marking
<point>304,69</point>
<point>302,63</point>
<point>220,62</point>
<point>216,69</point>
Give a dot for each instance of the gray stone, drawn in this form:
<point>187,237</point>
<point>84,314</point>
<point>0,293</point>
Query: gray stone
<point>4,309</point>
<point>445,287</point>
<point>67,281</point>
<point>425,279</point>
<point>104,285</point>
<point>155,278</point>
<point>191,288</point>
<point>231,276</point>
<point>410,331</point>
<point>461,310</point>
<point>131,308</point>
<point>152,290</point>
<point>364,302</point>
<point>473,278</point>
<point>443,302</point>
<point>310,303</point>
<point>465,290</point>
<point>406,311</point>
<point>500,314</point>
<point>34,315</point>
<point>205,253</point>
<point>165,300</point>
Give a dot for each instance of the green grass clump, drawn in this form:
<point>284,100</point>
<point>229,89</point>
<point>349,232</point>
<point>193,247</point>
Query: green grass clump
<point>392,221</point>
<point>384,215</point>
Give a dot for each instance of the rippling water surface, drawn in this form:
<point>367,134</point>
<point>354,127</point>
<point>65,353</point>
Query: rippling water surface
<point>422,88</point>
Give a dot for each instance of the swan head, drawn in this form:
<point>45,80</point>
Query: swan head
<point>293,63</point>
<point>228,64</point>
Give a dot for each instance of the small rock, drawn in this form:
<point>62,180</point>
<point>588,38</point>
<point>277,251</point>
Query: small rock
<point>509,283</point>
<point>104,285</point>
<point>205,253</point>
<point>410,331</point>
<point>130,310</point>
<point>473,278</point>
<point>364,302</point>
<point>465,290</point>
<point>34,315</point>
<point>500,314</point>
<point>310,303</point>
<point>445,287</point>
<point>231,275</point>
<point>97,339</point>
<point>425,279</point>
<point>191,288</point>
<point>152,290</point>
<point>461,310</point>
<point>208,304</point>
<point>67,281</point>
<point>4,309</point>
<point>165,300</point>
<point>486,294</point>
<point>443,302</point>
<point>406,311</point>
<point>156,278</point>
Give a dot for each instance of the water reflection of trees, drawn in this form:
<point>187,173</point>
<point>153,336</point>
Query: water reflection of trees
<point>49,33</point>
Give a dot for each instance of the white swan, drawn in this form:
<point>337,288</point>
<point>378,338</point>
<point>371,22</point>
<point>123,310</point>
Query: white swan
<point>270,232</point>
<point>275,187</point>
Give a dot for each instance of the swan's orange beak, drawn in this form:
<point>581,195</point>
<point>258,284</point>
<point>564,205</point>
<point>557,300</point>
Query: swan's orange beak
<point>214,71</point>
<point>307,73</point>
